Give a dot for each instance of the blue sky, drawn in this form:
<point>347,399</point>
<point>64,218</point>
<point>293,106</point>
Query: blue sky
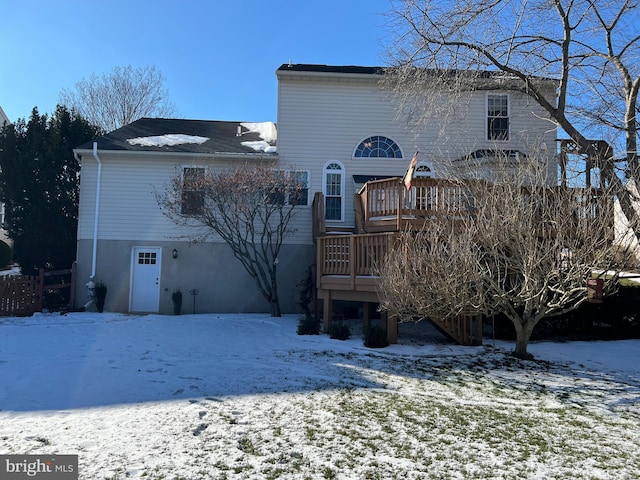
<point>218,56</point>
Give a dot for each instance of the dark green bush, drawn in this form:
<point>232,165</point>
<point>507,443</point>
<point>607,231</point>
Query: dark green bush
<point>339,331</point>
<point>308,326</point>
<point>375,337</point>
<point>101,293</point>
<point>6,253</point>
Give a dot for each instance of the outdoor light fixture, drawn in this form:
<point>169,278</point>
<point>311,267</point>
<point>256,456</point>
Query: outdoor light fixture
<point>174,253</point>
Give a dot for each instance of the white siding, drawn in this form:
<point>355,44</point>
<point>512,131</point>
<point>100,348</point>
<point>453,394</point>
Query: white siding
<point>324,119</point>
<point>128,206</point>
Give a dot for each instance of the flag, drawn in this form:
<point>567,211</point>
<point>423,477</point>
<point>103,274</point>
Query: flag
<point>408,177</point>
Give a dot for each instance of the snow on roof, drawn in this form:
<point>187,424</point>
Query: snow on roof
<point>266,130</point>
<point>260,146</point>
<point>169,139</point>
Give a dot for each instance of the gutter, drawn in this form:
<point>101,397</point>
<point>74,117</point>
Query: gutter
<point>95,218</point>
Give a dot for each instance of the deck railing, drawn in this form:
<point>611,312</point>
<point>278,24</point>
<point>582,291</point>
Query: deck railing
<point>353,255</point>
<point>387,202</point>
<point>428,196</point>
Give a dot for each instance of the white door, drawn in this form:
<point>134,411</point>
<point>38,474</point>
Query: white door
<point>145,279</point>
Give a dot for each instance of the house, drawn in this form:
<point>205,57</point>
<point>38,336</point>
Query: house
<point>126,242</point>
<point>339,128</point>
<point>3,118</point>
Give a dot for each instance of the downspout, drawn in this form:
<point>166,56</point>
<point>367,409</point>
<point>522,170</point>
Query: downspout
<point>95,220</point>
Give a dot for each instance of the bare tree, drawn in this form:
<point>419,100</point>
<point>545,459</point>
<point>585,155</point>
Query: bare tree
<point>115,99</point>
<point>519,250</point>
<point>249,208</point>
<point>592,48</point>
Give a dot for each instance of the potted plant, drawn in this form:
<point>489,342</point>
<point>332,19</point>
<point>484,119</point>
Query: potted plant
<point>100,292</point>
<point>176,297</point>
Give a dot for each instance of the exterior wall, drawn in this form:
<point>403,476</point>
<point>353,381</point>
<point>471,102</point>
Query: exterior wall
<point>129,216</point>
<point>323,117</point>
<point>211,268</point>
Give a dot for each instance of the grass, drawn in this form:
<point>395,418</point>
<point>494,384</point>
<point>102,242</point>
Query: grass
<point>482,418</point>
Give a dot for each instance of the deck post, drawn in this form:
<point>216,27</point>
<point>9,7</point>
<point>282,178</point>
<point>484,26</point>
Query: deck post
<point>391,325</point>
<point>327,313</point>
<point>366,316</point>
<point>353,260</point>
<point>478,329</point>
<point>400,205</point>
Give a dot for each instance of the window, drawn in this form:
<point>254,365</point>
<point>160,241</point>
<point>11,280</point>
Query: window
<point>378,147</point>
<point>294,189</point>
<point>423,170</point>
<point>147,258</point>
<point>497,117</point>
<point>192,191</point>
<point>298,188</point>
<point>333,186</point>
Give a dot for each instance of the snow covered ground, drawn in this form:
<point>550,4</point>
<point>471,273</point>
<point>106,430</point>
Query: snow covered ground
<point>243,396</point>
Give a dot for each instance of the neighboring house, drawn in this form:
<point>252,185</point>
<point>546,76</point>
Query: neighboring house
<point>336,126</point>
<point>4,120</point>
<point>624,233</point>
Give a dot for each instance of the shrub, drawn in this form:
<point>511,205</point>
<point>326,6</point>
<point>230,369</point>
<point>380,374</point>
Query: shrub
<point>339,331</point>
<point>375,337</point>
<point>176,298</point>
<point>308,326</point>
<point>5,254</point>
<point>100,291</point>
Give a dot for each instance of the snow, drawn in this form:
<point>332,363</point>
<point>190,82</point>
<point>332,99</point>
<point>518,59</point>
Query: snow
<point>267,132</point>
<point>260,146</point>
<point>243,396</point>
<point>170,139</point>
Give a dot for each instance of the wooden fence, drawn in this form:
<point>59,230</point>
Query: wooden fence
<point>23,295</point>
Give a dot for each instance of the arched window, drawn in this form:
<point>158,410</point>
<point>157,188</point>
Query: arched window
<point>378,146</point>
<point>333,188</point>
<point>424,170</point>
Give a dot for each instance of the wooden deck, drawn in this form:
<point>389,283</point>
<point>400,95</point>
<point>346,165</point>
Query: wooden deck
<point>347,259</point>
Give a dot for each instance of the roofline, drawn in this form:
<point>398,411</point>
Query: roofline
<point>309,72</point>
<point>141,153</point>
<point>352,72</point>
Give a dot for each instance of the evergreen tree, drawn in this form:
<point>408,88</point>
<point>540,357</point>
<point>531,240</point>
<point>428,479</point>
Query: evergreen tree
<point>39,180</point>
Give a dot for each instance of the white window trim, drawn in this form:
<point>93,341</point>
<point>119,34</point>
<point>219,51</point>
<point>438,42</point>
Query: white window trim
<point>424,164</point>
<point>343,173</point>
<point>353,154</point>
<point>486,116</point>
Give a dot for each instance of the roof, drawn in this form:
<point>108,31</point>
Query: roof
<point>288,67</point>
<point>190,136</point>
<point>358,70</point>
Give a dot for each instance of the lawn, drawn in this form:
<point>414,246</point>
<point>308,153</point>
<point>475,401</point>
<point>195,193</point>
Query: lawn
<point>243,396</point>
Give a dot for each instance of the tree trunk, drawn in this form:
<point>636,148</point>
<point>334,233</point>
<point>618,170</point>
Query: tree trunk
<point>523,334</point>
<point>274,300</point>
<point>275,308</point>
